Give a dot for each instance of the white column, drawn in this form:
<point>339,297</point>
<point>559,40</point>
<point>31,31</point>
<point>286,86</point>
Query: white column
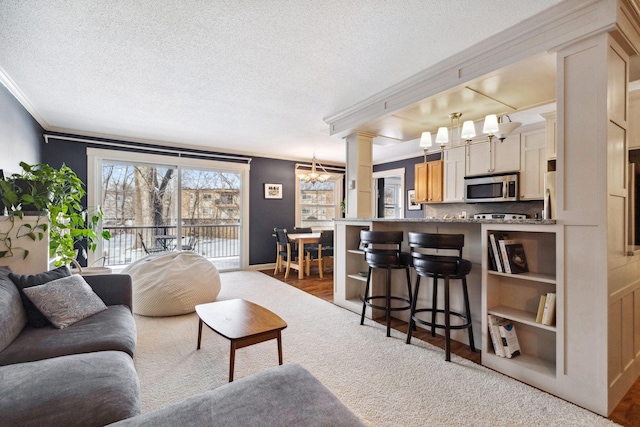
<point>359,180</point>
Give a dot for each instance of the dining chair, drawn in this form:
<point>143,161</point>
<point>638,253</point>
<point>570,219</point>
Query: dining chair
<point>320,255</point>
<point>150,251</point>
<point>284,251</point>
<point>191,244</point>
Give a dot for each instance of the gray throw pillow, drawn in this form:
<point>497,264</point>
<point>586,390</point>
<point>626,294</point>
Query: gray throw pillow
<point>22,281</point>
<point>65,301</point>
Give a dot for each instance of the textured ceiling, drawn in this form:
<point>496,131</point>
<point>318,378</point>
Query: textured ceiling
<point>242,76</point>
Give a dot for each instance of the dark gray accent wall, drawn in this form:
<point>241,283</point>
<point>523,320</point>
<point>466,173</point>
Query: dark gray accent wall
<point>20,134</point>
<point>265,214</point>
<point>409,178</point>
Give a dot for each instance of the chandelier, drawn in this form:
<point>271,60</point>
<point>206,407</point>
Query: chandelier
<point>313,175</point>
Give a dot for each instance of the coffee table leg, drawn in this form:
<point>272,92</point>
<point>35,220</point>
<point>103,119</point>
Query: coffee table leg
<point>199,333</point>
<point>279,348</point>
<point>232,360</point>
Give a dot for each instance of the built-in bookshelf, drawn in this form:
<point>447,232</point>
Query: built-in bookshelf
<point>350,267</point>
<point>516,297</point>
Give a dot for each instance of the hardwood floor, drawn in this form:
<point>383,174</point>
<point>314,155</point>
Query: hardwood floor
<point>627,413</point>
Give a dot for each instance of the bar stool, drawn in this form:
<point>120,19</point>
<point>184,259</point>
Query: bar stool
<point>386,255</point>
<point>437,266</point>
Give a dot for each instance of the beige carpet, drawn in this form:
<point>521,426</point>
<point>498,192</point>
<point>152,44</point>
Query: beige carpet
<point>383,380</point>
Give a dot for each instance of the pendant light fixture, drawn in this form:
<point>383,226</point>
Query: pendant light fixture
<point>468,131</point>
<point>442,137</point>
<point>505,128</point>
<point>313,175</point>
<point>425,143</point>
<point>490,126</point>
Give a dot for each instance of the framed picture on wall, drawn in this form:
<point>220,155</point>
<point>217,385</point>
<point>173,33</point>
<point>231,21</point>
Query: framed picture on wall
<point>272,191</point>
<point>411,201</point>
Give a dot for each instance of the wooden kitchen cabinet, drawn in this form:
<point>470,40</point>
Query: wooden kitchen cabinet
<point>493,157</point>
<point>428,181</point>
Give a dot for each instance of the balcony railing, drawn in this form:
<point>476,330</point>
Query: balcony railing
<point>210,241</point>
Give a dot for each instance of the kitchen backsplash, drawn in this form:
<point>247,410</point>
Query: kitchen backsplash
<point>439,210</point>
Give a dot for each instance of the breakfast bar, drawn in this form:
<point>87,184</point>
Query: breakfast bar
<point>511,296</point>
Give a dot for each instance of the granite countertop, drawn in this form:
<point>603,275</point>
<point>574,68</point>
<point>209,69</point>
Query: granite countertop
<point>527,221</point>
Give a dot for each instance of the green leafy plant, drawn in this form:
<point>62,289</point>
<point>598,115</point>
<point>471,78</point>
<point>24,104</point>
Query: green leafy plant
<point>56,194</point>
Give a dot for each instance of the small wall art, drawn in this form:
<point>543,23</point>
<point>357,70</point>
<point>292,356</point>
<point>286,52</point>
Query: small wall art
<point>272,191</point>
<point>411,201</point>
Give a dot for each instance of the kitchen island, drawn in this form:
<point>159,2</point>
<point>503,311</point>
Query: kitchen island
<point>511,296</point>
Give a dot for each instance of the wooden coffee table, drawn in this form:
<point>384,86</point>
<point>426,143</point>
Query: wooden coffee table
<point>243,323</point>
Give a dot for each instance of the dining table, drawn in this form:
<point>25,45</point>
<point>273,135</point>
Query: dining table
<point>302,239</point>
<point>166,241</point>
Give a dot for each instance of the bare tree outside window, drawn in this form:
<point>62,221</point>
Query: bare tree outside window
<point>140,205</point>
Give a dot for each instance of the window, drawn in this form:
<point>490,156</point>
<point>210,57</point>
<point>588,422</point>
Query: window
<point>318,203</point>
<point>146,197</point>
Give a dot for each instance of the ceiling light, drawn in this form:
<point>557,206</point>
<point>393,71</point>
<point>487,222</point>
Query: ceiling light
<point>505,129</point>
<point>313,175</point>
<point>442,137</point>
<point>490,125</point>
<point>425,140</point>
<point>425,143</point>
<point>468,131</point>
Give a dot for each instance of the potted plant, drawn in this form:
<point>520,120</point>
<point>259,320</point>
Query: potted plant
<point>56,193</point>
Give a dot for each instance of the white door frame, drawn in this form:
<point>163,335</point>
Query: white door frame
<point>384,174</point>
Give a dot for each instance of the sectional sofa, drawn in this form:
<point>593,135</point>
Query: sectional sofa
<point>81,375</point>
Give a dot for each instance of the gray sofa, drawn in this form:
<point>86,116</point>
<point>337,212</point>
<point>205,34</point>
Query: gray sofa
<point>82,375</point>
<point>286,395</point>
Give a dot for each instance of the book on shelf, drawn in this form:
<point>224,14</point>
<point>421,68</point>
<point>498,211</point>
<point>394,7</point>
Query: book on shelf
<point>494,332</point>
<point>492,261</point>
<point>509,338</point>
<point>495,249</point>
<point>502,244</point>
<point>516,258</point>
<point>549,314</point>
<point>543,300</point>
<point>513,257</point>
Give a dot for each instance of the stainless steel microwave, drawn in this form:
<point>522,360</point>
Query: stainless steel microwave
<point>491,188</point>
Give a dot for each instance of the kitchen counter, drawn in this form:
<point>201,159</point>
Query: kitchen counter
<point>526,221</point>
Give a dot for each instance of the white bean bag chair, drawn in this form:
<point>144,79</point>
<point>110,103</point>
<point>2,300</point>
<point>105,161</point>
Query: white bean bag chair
<point>172,283</point>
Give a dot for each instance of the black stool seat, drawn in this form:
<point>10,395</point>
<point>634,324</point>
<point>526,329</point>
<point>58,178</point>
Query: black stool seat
<point>386,254</point>
<point>439,266</point>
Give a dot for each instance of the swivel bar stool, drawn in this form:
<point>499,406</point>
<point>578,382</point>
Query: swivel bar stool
<point>440,266</point>
<point>382,250</point>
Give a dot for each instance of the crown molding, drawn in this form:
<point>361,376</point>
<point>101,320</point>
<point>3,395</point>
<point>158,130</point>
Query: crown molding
<point>68,134</point>
<point>12,87</point>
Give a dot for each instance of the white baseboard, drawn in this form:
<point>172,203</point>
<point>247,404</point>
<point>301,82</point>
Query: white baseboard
<point>256,267</point>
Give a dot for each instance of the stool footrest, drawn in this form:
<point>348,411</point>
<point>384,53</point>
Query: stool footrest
<point>466,325</point>
<point>368,302</point>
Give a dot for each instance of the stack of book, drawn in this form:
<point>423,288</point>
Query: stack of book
<point>506,255</point>
<point>547,309</point>
<point>503,336</point>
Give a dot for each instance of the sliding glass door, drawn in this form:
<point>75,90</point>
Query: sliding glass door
<point>152,208</point>
<point>210,215</point>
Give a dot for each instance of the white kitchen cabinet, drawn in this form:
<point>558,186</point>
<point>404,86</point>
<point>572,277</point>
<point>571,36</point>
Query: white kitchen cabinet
<point>454,170</point>
<point>551,130</point>
<point>533,162</point>
<point>478,159</point>
<point>494,157</point>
